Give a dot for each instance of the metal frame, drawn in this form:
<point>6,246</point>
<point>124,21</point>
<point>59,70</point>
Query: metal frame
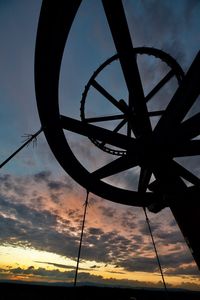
<point>153,150</point>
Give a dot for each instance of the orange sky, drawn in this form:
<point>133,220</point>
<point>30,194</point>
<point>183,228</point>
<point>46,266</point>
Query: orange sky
<point>116,247</point>
<point>41,207</point>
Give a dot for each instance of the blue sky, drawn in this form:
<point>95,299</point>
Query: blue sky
<point>41,206</point>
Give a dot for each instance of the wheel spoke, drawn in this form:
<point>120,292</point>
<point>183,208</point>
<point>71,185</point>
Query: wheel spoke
<point>102,134</point>
<point>184,173</point>
<point>145,176</point>
<point>128,129</point>
<point>156,113</point>
<point>169,75</point>
<point>190,128</point>
<point>122,40</point>
<point>191,148</point>
<point>132,125</point>
<point>108,96</point>
<point>120,164</point>
<point>120,125</point>
<point>117,128</point>
<point>104,118</point>
<point>181,102</point>
<point>167,179</point>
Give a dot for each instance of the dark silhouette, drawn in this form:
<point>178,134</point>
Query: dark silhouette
<point>41,292</point>
<point>153,150</point>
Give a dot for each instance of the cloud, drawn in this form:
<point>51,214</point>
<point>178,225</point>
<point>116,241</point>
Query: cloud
<point>53,185</point>
<point>95,231</point>
<point>31,217</point>
<point>55,275</point>
<point>189,269</point>
<point>42,176</point>
<point>68,276</point>
<point>95,267</point>
<point>38,235</point>
<point>108,211</point>
<point>163,235</point>
<point>169,237</point>
<point>39,190</point>
<point>129,221</point>
<point>108,247</point>
<point>45,230</point>
<point>43,273</point>
<point>138,264</point>
<point>125,242</point>
<point>62,266</point>
<point>23,225</point>
<point>116,272</point>
<point>165,25</point>
<point>176,259</point>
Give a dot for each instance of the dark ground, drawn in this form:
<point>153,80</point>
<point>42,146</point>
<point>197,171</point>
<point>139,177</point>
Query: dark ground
<point>12,291</point>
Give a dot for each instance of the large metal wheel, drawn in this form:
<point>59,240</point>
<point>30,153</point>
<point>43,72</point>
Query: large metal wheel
<point>151,149</point>
<point>125,114</point>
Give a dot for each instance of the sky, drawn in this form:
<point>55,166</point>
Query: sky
<point>41,207</point>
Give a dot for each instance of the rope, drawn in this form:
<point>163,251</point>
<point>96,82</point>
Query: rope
<point>156,252</point>
<point>29,138</point>
<point>81,238</point>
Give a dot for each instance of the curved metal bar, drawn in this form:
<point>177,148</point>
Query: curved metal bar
<point>54,24</point>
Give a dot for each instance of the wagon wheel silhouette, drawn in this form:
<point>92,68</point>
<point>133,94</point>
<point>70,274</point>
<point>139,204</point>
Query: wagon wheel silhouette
<point>152,149</point>
<point>126,114</point>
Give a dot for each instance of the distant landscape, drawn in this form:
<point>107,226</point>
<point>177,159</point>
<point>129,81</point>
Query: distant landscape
<point>13,290</point>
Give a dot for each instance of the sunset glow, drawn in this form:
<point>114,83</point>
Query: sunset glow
<point>17,263</point>
<point>41,206</point>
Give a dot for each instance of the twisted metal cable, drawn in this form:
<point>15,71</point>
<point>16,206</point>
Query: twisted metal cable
<point>28,139</point>
<point>81,238</point>
<point>156,252</point>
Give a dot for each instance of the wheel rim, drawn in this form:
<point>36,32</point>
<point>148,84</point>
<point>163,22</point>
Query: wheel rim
<point>175,71</point>
<point>49,50</point>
